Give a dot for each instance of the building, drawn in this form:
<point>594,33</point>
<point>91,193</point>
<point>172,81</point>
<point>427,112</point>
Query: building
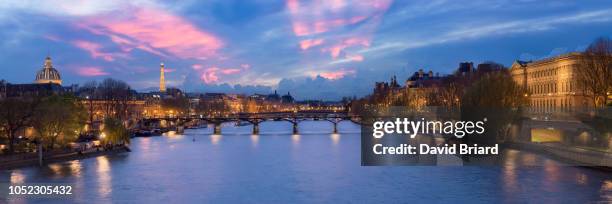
<point>421,86</point>
<point>386,92</point>
<point>48,74</point>
<point>551,83</point>
<point>287,98</point>
<point>47,82</point>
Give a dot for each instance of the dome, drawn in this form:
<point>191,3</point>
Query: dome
<point>48,74</point>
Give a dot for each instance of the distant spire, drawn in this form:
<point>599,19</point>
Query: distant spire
<point>162,80</point>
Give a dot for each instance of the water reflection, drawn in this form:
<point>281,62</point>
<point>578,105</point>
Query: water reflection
<point>215,139</point>
<point>17,176</point>
<point>288,168</point>
<point>509,171</point>
<point>296,139</point>
<point>582,178</point>
<point>335,138</point>
<point>254,140</point>
<point>104,176</point>
<point>75,168</point>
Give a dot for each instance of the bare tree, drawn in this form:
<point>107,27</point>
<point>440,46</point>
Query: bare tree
<point>594,75</point>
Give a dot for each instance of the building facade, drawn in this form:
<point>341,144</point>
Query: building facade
<point>551,83</point>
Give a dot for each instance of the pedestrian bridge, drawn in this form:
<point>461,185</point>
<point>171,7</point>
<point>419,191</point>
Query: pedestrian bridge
<point>293,117</point>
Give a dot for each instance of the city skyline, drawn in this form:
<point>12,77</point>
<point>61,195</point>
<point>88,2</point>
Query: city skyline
<point>288,44</point>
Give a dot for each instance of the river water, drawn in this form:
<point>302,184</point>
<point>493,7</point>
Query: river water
<point>315,166</point>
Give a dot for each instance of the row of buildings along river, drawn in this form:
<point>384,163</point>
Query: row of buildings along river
<point>550,86</point>
<point>555,109</point>
<point>114,98</point>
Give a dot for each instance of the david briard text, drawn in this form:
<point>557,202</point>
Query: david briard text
<point>452,149</point>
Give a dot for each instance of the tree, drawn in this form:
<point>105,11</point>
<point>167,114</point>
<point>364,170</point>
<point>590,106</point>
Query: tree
<point>212,107</point>
<point>59,117</point>
<point>498,98</point>
<point>115,132</point>
<point>178,104</point>
<point>594,74</point>
<point>115,95</point>
<point>16,114</point>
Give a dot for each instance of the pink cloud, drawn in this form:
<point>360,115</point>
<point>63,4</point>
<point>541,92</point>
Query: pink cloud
<point>305,44</point>
<point>336,49</point>
<point>212,74</point>
<point>231,71</point>
<point>156,31</point>
<point>197,67</point>
<point>337,74</point>
<point>168,70</point>
<point>319,16</point>
<point>91,71</point>
<point>94,50</point>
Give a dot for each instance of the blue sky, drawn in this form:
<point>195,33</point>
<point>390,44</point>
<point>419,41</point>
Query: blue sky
<point>314,49</point>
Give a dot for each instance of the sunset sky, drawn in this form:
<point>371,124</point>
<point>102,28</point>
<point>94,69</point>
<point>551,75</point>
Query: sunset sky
<point>315,49</point>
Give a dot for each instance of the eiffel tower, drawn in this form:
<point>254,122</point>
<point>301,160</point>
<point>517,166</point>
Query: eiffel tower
<point>162,80</point>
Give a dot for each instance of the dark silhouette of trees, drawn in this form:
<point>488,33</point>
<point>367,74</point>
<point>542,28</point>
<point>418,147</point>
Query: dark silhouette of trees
<point>594,74</point>
<point>496,97</point>
<point>16,114</point>
<point>115,95</point>
<point>178,104</point>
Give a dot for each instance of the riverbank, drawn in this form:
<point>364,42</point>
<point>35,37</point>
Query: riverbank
<point>30,161</point>
<point>571,155</point>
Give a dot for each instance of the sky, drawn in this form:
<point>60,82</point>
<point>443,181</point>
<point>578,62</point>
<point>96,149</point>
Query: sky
<point>317,49</point>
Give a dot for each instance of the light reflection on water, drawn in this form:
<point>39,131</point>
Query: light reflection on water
<point>255,140</point>
<point>215,139</point>
<point>335,138</point>
<point>104,176</point>
<point>314,166</point>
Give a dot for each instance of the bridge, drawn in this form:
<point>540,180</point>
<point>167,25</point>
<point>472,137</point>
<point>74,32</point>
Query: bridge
<point>293,117</point>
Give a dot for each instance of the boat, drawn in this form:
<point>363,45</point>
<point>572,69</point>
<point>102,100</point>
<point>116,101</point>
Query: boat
<point>143,133</point>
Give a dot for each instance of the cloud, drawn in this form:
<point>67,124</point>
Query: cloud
<point>334,75</point>
<point>356,58</point>
<point>308,43</point>
<point>336,49</point>
<point>319,16</point>
<point>94,50</point>
<point>212,74</point>
<point>91,71</point>
<point>197,67</point>
<point>339,27</point>
<point>155,31</point>
<point>474,31</point>
<point>63,7</point>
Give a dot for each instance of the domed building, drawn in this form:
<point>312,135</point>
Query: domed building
<point>48,74</point>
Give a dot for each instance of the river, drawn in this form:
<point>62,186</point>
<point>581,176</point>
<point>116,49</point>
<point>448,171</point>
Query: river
<point>314,166</point>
